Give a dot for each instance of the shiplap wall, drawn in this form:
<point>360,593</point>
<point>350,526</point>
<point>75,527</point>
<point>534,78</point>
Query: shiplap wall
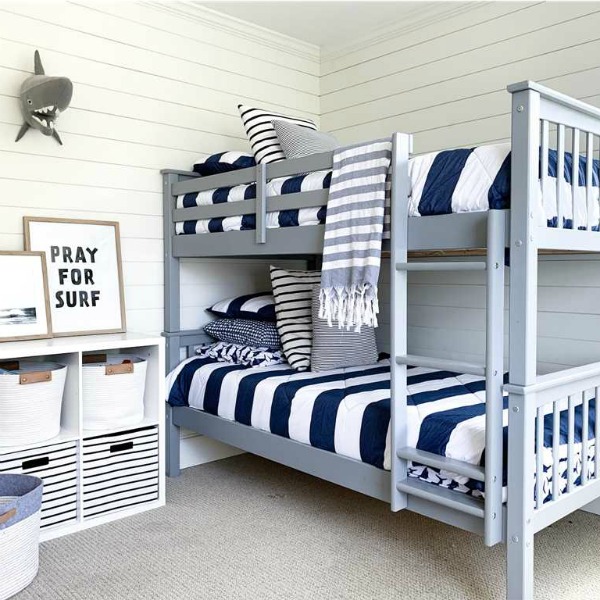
<point>446,84</point>
<point>153,88</point>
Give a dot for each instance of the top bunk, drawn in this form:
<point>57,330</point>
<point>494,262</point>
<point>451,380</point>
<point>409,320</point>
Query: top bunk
<point>440,200</point>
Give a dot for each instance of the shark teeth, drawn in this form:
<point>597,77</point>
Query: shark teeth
<point>45,115</point>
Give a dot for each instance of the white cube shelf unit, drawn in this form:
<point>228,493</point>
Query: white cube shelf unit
<point>73,494</point>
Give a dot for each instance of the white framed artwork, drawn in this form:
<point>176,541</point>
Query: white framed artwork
<point>85,275</point>
<point>24,309</point>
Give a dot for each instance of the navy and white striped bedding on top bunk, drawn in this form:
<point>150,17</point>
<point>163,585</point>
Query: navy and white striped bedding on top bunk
<point>318,180</point>
<point>347,411</point>
<point>451,181</point>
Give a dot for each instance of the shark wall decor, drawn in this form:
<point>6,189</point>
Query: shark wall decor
<point>42,99</point>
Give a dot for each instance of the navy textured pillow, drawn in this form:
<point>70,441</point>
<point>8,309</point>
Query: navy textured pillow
<point>223,162</point>
<point>257,307</point>
<point>258,334</point>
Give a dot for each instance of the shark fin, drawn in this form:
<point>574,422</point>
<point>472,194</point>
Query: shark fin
<point>24,129</point>
<point>56,136</point>
<point>39,69</point>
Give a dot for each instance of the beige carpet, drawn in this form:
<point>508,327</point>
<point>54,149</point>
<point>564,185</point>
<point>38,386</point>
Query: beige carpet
<point>246,528</point>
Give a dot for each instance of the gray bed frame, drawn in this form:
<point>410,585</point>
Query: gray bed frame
<point>536,111</point>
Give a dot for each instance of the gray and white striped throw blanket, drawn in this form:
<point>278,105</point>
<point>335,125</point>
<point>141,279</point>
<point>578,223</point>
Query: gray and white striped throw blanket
<point>353,234</point>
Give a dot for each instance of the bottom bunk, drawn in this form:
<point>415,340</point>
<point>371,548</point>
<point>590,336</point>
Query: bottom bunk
<point>345,414</point>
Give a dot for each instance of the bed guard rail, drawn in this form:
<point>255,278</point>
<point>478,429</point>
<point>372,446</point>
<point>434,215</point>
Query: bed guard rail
<point>566,134</point>
<point>560,434</point>
<point>263,203</point>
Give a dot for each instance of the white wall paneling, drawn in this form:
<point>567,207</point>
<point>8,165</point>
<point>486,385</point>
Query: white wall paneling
<point>152,88</point>
<point>445,82</point>
<point>155,86</point>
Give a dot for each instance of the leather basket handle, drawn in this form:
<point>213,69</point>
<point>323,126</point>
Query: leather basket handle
<point>7,516</point>
<point>122,369</point>
<point>35,377</point>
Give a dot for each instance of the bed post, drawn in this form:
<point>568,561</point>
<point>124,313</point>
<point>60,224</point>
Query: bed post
<point>172,322</point>
<point>494,370</point>
<point>522,342</point>
<point>401,148</point>
<point>173,468</point>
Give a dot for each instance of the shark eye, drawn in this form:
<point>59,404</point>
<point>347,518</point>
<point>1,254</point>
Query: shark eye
<point>29,101</point>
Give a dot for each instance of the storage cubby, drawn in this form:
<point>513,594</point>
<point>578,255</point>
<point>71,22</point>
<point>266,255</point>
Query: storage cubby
<point>153,405</point>
<point>91,477</point>
<point>120,470</point>
<point>57,466</point>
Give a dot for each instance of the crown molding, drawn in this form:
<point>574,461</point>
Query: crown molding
<point>419,18</point>
<point>280,42</point>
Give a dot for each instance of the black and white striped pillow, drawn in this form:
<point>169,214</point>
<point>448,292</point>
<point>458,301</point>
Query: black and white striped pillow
<point>292,291</point>
<point>261,133</point>
<point>335,348</point>
<point>297,141</point>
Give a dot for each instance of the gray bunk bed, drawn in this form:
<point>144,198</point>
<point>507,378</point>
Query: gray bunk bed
<point>512,519</point>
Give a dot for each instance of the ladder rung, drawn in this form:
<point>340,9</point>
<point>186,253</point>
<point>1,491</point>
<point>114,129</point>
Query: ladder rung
<point>442,266</point>
<point>442,462</point>
<point>441,364</point>
<point>441,495</point>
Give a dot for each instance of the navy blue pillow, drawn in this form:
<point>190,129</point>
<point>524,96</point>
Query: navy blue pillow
<point>223,162</point>
<point>257,334</point>
<point>257,307</point>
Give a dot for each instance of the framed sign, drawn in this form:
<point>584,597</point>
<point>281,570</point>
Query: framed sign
<point>85,275</point>
<point>24,308</point>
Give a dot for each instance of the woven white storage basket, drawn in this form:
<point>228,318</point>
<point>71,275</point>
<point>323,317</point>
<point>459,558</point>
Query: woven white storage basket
<point>113,392</point>
<point>19,532</point>
<point>30,403</point>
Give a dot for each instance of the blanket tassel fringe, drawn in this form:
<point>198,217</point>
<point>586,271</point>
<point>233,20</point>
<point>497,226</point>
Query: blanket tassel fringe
<point>356,306</point>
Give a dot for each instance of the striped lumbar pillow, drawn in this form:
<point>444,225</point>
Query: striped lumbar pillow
<point>292,291</point>
<point>260,130</point>
<point>297,141</point>
<point>335,348</point>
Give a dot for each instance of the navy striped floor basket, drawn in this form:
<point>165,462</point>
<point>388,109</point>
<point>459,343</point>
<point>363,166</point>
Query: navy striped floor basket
<point>20,504</point>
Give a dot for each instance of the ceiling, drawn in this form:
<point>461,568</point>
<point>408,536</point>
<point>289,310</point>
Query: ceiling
<point>326,24</point>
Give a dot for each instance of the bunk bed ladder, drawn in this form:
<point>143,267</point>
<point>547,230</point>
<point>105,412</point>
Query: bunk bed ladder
<point>410,492</point>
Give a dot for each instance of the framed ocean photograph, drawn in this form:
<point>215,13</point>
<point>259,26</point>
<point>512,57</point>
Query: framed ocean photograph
<point>85,276</point>
<point>24,300</point>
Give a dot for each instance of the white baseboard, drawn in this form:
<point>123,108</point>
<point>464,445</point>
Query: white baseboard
<point>197,450</point>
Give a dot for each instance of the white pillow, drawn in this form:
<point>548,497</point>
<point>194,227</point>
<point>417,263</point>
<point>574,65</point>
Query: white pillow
<point>297,141</point>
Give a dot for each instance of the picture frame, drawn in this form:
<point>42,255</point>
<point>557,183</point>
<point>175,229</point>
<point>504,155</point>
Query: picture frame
<point>85,273</point>
<point>24,303</point>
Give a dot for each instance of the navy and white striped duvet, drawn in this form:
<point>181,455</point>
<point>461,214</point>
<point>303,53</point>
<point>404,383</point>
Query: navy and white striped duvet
<point>478,179</point>
<point>451,181</point>
<point>347,411</point>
